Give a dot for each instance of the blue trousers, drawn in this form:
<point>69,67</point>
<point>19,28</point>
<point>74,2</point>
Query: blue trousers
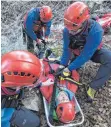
<point>102,56</point>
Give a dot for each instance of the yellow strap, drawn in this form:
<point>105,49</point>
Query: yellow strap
<point>69,79</point>
<point>74,81</point>
<point>61,78</point>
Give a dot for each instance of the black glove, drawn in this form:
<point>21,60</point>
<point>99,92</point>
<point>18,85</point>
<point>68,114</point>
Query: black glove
<point>64,72</point>
<point>11,101</point>
<point>59,70</point>
<point>48,52</point>
<point>43,41</point>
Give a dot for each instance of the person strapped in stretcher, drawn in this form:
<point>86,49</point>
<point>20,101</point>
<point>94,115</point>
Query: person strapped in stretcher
<point>65,106</point>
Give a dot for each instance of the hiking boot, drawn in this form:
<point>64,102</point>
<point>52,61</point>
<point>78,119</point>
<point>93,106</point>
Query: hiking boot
<point>91,94</point>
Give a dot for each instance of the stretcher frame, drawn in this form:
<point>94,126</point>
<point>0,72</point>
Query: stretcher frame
<point>46,107</point>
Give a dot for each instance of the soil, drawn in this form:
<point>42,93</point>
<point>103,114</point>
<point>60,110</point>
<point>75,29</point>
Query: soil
<point>97,114</point>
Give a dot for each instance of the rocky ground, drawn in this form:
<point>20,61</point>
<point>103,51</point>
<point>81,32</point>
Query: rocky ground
<point>97,114</point>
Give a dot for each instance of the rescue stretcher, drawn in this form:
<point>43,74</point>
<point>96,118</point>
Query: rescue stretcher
<point>72,124</point>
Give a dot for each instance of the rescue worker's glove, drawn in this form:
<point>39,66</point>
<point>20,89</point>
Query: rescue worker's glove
<point>43,41</point>
<point>66,72</point>
<point>59,70</point>
<point>40,43</point>
<point>63,72</point>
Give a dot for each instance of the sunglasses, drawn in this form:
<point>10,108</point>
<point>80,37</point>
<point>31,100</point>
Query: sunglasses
<point>73,26</point>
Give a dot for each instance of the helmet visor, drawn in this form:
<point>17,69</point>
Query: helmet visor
<point>73,26</point>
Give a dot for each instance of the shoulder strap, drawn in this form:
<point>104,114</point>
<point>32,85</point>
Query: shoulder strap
<point>52,104</point>
<point>91,22</point>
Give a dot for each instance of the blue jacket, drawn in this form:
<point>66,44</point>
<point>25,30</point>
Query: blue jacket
<point>33,16</point>
<point>93,40</point>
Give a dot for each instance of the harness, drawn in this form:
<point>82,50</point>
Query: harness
<point>37,24</point>
<point>11,99</point>
<point>79,40</point>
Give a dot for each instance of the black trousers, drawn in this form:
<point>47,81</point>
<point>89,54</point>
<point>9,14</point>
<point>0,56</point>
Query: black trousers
<point>28,40</point>
<point>102,56</point>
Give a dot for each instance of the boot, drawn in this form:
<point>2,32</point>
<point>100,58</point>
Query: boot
<point>91,94</point>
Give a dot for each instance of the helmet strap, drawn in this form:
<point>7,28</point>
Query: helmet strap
<point>9,91</point>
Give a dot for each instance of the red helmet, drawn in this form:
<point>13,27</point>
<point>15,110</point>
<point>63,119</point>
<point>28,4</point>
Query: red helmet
<point>75,15</point>
<point>19,68</point>
<point>66,112</point>
<point>45,14</point>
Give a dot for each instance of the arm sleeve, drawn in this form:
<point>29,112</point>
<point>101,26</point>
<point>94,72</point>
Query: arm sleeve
<point>29,28</point>
<point>48,25</point>
<point>92,43</point>
<point>66,51</point>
